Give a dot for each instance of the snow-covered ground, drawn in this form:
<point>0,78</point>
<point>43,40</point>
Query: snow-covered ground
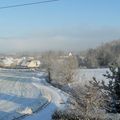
<point>83,76</point>
<point>23,92</point>
<point>58,99</point>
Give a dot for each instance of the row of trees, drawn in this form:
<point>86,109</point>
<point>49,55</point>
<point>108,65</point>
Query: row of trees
<point>103,55</point>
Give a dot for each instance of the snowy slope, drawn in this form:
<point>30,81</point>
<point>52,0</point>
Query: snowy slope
<point>57,98</point>
<point>22,91</point>
<point>18,93</point>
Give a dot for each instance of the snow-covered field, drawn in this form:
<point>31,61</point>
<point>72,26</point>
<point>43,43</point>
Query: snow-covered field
<point>83,76</point>
<point>18,96</point>
<point>23,92</point>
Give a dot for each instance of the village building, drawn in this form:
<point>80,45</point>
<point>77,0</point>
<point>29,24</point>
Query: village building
<point>33,64</point>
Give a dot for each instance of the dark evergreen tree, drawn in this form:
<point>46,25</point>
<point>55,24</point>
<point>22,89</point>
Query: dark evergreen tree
<point>113,88</point>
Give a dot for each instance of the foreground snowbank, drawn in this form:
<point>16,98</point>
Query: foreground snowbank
<point>58,101</point>
<point>26,95</point>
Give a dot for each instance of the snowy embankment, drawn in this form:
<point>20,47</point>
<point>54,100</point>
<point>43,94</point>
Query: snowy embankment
<point>24,93</point>
<point>58,99</point>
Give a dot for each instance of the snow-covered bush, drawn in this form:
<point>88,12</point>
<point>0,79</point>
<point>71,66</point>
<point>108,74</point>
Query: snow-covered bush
<point>60,68</point>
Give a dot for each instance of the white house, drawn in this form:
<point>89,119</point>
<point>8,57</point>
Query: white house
<point>70,54</point>
<point>33,64</point>
<point>7,61</point>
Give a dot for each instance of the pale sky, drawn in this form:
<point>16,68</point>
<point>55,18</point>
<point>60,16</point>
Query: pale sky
<point>72,25</point>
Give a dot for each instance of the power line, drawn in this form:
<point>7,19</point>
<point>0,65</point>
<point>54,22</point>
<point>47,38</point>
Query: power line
<point>28,4</point>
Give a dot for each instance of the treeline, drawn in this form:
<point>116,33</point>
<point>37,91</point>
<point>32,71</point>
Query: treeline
<point>102,56</point>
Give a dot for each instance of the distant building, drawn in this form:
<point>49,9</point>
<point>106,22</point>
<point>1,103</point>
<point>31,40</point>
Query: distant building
<point>7,61</point>
<point>23,62</point>
<point>33,64</point>
<point>66,56</point>
<point>70,54</point>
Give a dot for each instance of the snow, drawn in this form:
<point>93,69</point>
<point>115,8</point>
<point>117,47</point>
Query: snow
<point>27,111</point>
<point>24,92</point>
<point>17,93</point>
<point>20,62</point>
<point>83,76</point>
<point>55,96</point>
<point>44,114</point>
<point>7,61</point>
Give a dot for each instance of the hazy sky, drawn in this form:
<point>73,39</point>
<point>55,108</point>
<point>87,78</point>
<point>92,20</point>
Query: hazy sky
<point>63,25</point>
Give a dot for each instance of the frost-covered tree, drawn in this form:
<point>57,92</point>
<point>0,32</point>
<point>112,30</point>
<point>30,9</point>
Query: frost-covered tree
<point>63,70</point>
<point>60,67</point>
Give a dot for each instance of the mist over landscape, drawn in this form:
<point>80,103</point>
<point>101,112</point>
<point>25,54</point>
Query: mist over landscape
<point>68,39</point>
<point>63,25</point>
